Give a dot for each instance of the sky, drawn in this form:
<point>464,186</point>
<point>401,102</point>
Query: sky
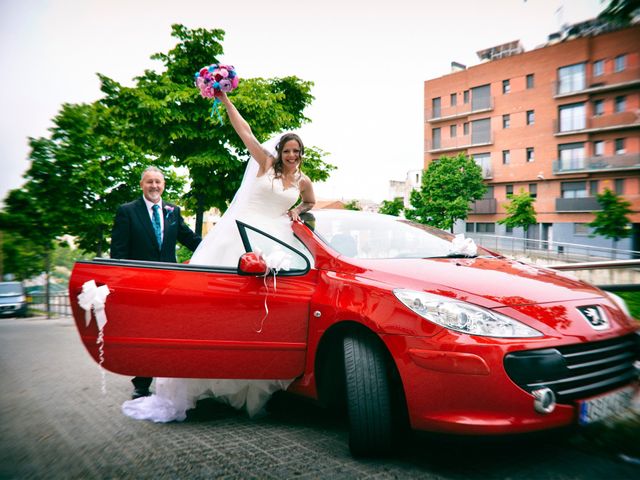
<point>368,60</point>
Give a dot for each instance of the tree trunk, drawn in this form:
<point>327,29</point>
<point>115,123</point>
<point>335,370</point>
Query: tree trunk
<point>47,291</point>
<point>199,214</point>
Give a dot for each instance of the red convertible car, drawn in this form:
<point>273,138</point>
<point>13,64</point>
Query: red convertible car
<point>388,319</point>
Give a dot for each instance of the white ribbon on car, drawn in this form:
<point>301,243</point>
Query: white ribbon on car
<point>94,298</point>
<point>276,260</point>
<point>463,246</point>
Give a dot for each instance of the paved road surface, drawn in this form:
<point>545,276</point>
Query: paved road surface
<point>55,423</point>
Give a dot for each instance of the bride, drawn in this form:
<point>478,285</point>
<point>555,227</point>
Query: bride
<point>272,184</point>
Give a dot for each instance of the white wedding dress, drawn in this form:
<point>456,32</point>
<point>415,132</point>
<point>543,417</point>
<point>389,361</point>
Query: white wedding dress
<point>261,202</point>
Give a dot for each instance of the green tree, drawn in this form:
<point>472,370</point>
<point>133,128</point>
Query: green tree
<point>352,205</point>
<point>520,211</point>
<point>620,12</point>
<point>449,185</point>
<point>166,115</point>
<point>392,207</point>
<point>612,221</point>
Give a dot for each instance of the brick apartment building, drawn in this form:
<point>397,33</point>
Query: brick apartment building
<point>561,121</point>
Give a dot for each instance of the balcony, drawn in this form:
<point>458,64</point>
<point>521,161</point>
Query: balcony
<point>587,204</point>
<point>628,78</point>
<point>611,163</point>
<point>457,111</point>
<point>461,142</point>
<point>601,123</point>
<point>483,206</point>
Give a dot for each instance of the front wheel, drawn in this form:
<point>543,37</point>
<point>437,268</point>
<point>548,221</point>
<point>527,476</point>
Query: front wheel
<point>368,395</point>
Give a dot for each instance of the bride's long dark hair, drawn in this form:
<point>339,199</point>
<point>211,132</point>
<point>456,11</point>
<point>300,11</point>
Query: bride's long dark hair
<point>278,166</point>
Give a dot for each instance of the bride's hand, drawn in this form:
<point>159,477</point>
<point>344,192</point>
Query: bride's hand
<point>293,215</point>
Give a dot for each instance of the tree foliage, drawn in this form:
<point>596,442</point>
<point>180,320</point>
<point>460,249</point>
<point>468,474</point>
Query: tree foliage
<point>449,185</point>
<point>352,205</point>
<point>612,221</point>
<point>620,12</point>
<point>392,207</point>
<point>520,211</point>
<point>165,114</point>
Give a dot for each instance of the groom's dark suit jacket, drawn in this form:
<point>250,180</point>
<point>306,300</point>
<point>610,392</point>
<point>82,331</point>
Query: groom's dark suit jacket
<point>133,238</point>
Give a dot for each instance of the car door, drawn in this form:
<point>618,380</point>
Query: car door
<point>175,320</point>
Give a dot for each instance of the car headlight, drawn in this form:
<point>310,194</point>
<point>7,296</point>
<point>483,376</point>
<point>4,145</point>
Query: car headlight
<point>619,301</point>
<point>463,317</point>
<point>22,298</point>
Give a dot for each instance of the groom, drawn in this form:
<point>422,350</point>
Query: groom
<point>148,229</point>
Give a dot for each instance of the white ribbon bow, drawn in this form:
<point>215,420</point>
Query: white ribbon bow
<point>463,246</point>
<point>94,297</point>
<point>276,260</point>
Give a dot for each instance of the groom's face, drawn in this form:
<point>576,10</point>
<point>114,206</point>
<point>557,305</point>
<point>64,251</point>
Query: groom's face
<point>152,185</point>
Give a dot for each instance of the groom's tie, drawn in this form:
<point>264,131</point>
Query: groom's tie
<point>156,224</point>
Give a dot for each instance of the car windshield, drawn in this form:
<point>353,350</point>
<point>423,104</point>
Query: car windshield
<point>10,289</point>
<point>371,235</point>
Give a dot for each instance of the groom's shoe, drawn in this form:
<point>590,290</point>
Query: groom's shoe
<point>140,392</point>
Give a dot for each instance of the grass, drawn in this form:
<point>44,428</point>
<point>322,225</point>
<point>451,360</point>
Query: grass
<point>633,302</point>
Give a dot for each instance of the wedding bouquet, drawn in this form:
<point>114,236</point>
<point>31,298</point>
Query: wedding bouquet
<point>214,79</point>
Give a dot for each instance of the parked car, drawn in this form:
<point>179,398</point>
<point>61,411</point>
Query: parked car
<point>389,319</point>
<point>13,301</point>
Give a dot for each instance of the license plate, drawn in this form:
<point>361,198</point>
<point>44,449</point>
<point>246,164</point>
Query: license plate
<point>605,406</point>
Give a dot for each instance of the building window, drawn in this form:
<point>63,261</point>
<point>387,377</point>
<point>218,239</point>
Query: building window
<point>620,104</point>
<point>571,156</point>
<point>574,189</point>
<point>465,96</point>
<point>484,160</point>
<point>506,121</point>
<point>508,229</point>
<point>435,134</point>
<point>619,149</point>
<point>531,117</point>
<point>480,97</point>
<point>453,131</point>
<point>598,108</point>
<point>506,157</point>
<point>435,107</point>
<point>598,68</point>
<point>508,190</point>
<point>571,78</point>
<point>465,128</point>
<point>620,63</point>
<point>470,227</point>
<point>482,227</point>
<point>506,86</point>
<point>598,148</point>
<point>619,186</point>
<point>454,99</point>
<point>572,117</point>
<point>581,229</point>
<point>533,190</point>
<point>530,81</point>
<point>481,131</point>
<point>593,188</point>
<point>530,154</point>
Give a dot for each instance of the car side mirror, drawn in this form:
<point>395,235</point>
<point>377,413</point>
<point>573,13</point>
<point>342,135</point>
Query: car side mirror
<point>251,263</point>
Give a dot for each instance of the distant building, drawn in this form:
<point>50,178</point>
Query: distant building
<point>561,121</point>
<point>403,188</point>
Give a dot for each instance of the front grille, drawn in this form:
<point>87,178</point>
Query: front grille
<point>576,371</point>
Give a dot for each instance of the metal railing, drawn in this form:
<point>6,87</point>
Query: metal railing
<point>550,250</point>
<point>58,305</point>
<point>629,161</point>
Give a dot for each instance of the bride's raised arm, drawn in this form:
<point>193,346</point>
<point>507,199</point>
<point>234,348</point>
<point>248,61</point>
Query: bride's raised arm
<point>243,129</point>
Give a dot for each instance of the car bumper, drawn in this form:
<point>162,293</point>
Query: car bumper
<point>13,310</point>
<point>462,387</point>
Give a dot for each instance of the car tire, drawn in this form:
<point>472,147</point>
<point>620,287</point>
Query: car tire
<point>368,396</point>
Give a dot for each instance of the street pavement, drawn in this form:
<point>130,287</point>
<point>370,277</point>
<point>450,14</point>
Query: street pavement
<point>55,423</point>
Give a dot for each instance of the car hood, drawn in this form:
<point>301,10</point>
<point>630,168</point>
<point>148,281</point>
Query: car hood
<point>488,281</point>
